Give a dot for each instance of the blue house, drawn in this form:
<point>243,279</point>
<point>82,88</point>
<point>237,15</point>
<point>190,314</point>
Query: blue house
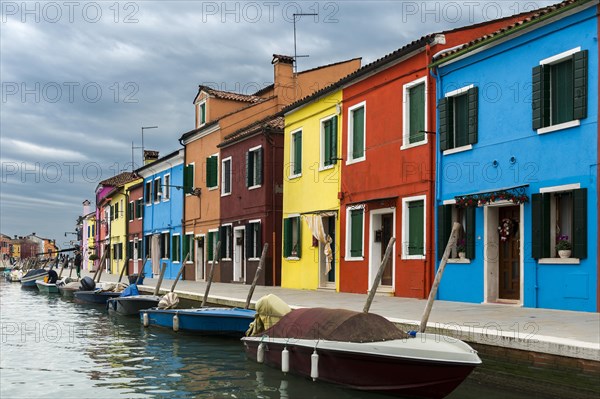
<point>517,162</point>
<point>163,213</point>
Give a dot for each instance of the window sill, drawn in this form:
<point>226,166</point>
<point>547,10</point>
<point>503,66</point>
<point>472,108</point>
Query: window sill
<point>354,259</point>
<point>226,259</point>
<point>292,258</point>
<point>213,188</point>
<point>255,259</point>
<point>414,257</point>
<point>255,187</point>
<point>166,200</point>
<point>413,145</point>
<point>558,261</point>
<point>458,149</point>
<point>225,194</point>
<point>355,160</point>
<point>560,126</point>
<point>323,168</point>
<point>458,260</point>
<point>290,177</point>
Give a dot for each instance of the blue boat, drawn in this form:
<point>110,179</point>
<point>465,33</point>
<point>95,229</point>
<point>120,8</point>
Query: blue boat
<point>28,280</point>
<point>205,321</point>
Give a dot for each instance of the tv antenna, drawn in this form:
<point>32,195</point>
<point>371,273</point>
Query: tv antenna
<point>296,56</point>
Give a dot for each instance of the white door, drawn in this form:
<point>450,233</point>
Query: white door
<point>156,254</point>
<point>238,254</point>
<point>135,256</point>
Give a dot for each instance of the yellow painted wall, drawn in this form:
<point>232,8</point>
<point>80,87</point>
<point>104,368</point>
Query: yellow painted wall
<point>118,226</point>
<point>16,253</point>
<point>91,243</point>
<point>314,190</point>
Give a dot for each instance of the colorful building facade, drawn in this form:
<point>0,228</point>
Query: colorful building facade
<point>517,162</point>
<point>135,226</point>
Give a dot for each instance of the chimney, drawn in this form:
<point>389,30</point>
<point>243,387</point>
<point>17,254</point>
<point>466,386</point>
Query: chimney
<point>86,207</point>
<point>284,78</point>
<point>150,156</point>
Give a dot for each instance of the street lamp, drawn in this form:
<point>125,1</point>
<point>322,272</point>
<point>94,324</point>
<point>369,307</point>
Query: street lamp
<point>145,127</point>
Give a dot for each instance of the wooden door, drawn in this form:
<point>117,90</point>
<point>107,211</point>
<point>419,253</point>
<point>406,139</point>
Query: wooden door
<point>387,225</point>
<point>509,260</point>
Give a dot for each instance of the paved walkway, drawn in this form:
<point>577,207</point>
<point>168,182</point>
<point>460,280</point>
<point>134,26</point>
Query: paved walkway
<point>564,333</point>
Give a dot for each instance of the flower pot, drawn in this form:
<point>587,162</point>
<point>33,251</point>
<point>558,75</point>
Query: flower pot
<point>564,253</point>
<point>462,255</point>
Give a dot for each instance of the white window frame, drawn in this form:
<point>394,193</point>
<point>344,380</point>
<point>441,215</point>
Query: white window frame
<point>148,200</point>
<point>166,187</point>
<point>218,173</point>
<point>159,193</point>
<point>291,174</point>
<point>208,261</point>
<point>132,202</point>
<point>349,159</point>
<point>555,59</point>
<point>347,256</point>
<point>230,225</point>
<point>455,93</point>
<point>171,247</point>
<point>162,233</point>
<point>405,226</point>
<point>139,217</point>
<point>406,114</point>
<point>322,121</point>
<point>255,221</point>
<point>223,162</point>
<point>200,104</point>
<point>255,186</point>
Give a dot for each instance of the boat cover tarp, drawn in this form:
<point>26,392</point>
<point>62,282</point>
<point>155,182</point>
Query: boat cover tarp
<point>335,325</point>
<point>169,301</point>
<point>269,310</point>
<point>132,290</point>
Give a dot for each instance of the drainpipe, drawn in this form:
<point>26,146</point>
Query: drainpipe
<point>436,183</point>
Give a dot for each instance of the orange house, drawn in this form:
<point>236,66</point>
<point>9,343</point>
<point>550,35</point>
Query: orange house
<point>218,114</point>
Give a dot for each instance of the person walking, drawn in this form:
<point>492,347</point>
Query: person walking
<point>77,263</point>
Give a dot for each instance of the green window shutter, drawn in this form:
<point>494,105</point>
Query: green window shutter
<point>445,127</point>
<point>131,211</point>
<point>415,227</point>
<point>470,231</point>
<point>416,106</point>
<point>287,237</point>
<point>356,233</point>
<point>537,98</point>
<point>259,166</point>
<point>211,171</point>
<point>327,142</point>
<point>358,132</point>
<point>248,169</point>
<point>188,179</point>
<point>461,120</point>
<point>334,138</point>
<point>473,114</point>
<point>444,228</point>
<point>540,226</point>
<point>580,223</point>
<point>299,237</point>
<point>186,245</point>
<point>580,78</point>
<point>209,246</point>
<point>223,235</point>
<point>298,153</point>
<point>203,113</point>
<point>248,237</point>
<point>562,91</point>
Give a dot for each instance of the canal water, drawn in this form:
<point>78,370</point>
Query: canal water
<point>53,347</point>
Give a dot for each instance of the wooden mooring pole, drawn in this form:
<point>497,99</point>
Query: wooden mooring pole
<point>261,264</point>
<point>384,261</point>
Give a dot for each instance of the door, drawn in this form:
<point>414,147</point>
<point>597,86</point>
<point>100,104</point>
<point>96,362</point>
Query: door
<point>509,268</point>
<point>199,262</point>
<point>387,226</point>
<point>155,251</point>
<point>238,254</point>
<point>135,256</point>
<point>327,277</point>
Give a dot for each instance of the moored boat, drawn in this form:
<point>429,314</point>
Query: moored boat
<point>97,296</point>
<point>363,351</point>
<point>131,305</point>
<point>204,321</point>
<point>46,288</point>
<point>28,279</point>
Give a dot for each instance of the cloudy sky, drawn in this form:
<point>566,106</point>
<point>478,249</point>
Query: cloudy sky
<point>80,79</point>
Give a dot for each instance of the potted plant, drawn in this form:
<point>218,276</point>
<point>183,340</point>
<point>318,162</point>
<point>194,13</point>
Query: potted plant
<point>563,246</point>
<point>93,257</point>
<point>461,248</point>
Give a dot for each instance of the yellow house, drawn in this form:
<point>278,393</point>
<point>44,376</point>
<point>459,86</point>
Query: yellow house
<point>119,202</point>
<point>90,223</point>
<point>311,182</point>
<point>16,250</point>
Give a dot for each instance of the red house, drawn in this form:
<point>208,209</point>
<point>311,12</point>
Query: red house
<point>388,169</point>
<point>135,215</point>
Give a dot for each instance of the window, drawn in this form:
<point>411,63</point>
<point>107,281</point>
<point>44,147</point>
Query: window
<point>166,188</point>
<point>148,192</point>
<point>329,141</point>
<point>414,113</point>
<point>122,208</point>
<point>147,246</point>
<point>139,209</point>
<point>447,216</point>
<point>226,235</point>
<point>413,227</point>
<point>202,113</point>
<point>131,211</point>
<point>175,247</point>
<point>253,244</point>
<point>188,248</point>
<point>560,91</point>
<point>212,173</point>
<point>254,167</point>
<point>164,247</point>
<point>212,239</point>
<point>116,210</point>
<point>292,238</point>
<point>356,132</point>
<point>458,113</point>
<point>188,178</point>
<point>118,251</point>
<point>296,154</point>
<point>226,176</point>
<point>129,250</point>
<point>156,190</point>
<point>559,215</point>
<point>355,228</point>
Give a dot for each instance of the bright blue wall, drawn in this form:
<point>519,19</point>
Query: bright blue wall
<point>165,215</point>
<point>503,75</point>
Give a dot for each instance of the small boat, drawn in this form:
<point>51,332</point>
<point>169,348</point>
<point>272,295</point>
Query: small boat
<point>131,305</point>
<point>204,321</point>
<point>14,276</point>
<point>46,288</point>
<point>363,351</point>
<point>68,289</point>
<point>28,280</point>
